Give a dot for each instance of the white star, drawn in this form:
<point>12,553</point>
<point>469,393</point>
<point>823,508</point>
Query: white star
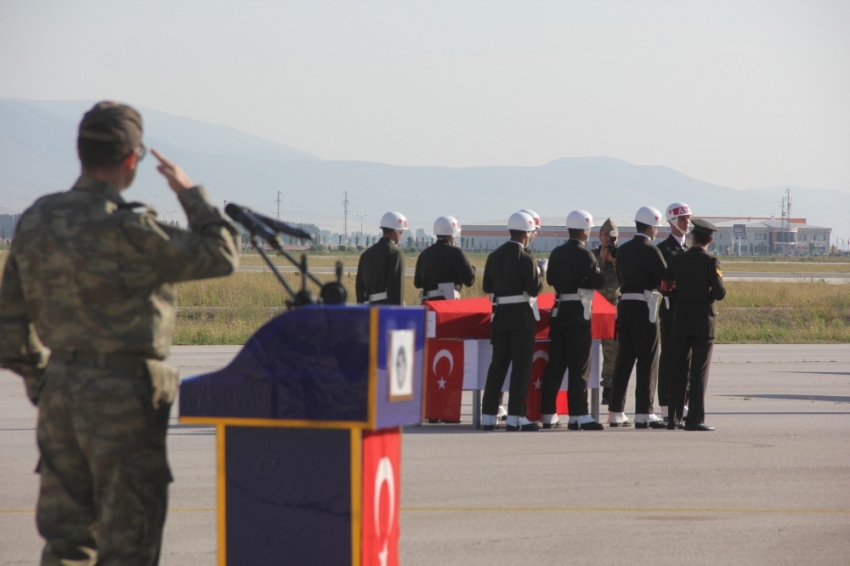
<point>537,384</point>
<point>442,383</point>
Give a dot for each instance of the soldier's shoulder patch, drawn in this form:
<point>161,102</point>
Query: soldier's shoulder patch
<point>719,272</point>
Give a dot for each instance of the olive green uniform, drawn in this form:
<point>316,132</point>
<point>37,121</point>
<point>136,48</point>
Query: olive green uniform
<point>91,278</point>
<point>611,291</point>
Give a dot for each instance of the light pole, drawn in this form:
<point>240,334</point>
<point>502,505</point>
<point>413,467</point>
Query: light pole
<point>361,217</point>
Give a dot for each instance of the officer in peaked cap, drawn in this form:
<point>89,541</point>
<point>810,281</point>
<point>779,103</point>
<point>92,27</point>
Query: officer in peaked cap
<point>607,259</point>
<point>640,267</point>
<point>442,269</point>
<point>698,281</point>
<point>380,271</point>
<point>513,281</point>
<point>678,217</point>
<point>575,275</point>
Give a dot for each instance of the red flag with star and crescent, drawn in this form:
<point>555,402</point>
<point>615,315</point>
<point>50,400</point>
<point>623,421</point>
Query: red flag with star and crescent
<point>444,381</point>
<point>535,385</point>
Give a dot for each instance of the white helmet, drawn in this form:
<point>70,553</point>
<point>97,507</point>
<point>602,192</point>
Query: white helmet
<point>394,221</point>
<point>579,220</point>
<point>521,221</point>
<point>534,215</point>
<point>676,210</point>
<point>447,226</point>
<point>649,216</point>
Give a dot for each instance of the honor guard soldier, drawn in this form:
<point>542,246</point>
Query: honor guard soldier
<point>513,281</point>
<point>442,269</point>
<point>640,267</point>
<point>380,272</point>
<point>87,311</point>
<point>606,255</point>
<point>575,275</point>
<point>698,281</point>
<point>679,218</point>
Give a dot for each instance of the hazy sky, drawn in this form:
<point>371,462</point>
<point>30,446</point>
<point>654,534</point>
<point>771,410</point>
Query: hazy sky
<point>742,94</point>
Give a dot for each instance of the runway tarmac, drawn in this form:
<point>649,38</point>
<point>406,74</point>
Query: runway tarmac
<point>771,486</point>
<point>835,278</point>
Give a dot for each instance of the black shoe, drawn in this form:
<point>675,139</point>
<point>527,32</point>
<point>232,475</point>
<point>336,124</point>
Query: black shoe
<point>433,421</point>
<point>548,426</point>
<point>530,427</point>
<point>699,427</point>
<point>606,391</point>
<point>451,422</point>
<point>671,425</point>
<point>626,424</point>
<point>586,426</point>
<point>490,427</point>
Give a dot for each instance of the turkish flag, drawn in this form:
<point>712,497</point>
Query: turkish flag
<point>535,385</point>
<point>444,380</point>
<point>381,495</point>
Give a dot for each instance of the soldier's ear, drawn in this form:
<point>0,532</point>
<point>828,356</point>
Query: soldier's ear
<point>131,160</point>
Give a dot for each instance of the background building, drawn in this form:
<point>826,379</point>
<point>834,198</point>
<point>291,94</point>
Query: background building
<point>759,236</point>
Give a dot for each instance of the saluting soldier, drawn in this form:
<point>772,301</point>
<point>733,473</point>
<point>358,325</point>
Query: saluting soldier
<point>640,267</point>
<point>380,271</point>
<point>679,218</point>
<point>87,311</point>
<point>512,279</point>
<point>606,255</point>
<point>575,275</point>
<point>698,281</point>
<point>442,269</point>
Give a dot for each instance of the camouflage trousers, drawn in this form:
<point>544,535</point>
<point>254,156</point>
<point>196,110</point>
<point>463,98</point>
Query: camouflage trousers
<point>103,466</point>
<point>609,355</point>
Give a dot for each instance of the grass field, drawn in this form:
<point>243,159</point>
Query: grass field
<point>229,310</point>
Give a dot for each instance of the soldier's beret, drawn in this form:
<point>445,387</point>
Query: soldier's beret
<point>609,225</point>
<point>703,226</point>
<point>114,123</point>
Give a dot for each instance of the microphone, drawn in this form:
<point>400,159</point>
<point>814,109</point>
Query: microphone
<point>246,218</point>
<point>283,227</point>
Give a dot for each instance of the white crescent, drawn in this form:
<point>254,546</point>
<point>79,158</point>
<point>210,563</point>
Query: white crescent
<point>384,475</point>
<point>539,354</point>
<point>446,354</point>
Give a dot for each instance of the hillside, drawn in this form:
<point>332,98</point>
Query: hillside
<point>37,156</point>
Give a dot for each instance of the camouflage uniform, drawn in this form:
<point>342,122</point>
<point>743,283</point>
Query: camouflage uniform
<point>611,291</point>
<point>92,280</point>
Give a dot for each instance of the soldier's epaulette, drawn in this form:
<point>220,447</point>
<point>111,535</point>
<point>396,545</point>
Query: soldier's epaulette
<point>134,205</point>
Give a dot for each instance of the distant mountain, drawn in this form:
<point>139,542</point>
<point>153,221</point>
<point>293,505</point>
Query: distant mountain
<point>37,155</point>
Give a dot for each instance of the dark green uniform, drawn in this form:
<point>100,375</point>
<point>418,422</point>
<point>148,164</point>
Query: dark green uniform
<point>699,283</point>
<point>92,279</point>
<point>640,267</point>
<point>571,267</point>
<point>611,291</point>
<point>442,263</point>
<point>510,271</point>
<point>381,271</point>
<point>668,248</point>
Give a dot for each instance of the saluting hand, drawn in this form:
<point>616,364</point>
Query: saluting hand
<point>177,178</point>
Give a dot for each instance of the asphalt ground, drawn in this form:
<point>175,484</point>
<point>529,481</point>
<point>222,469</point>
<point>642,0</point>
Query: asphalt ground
<point>727,275</point>
<point>770,486</point>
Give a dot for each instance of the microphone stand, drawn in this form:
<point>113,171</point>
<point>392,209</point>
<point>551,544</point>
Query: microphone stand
<point>257,243</point>
<point>331,292</point>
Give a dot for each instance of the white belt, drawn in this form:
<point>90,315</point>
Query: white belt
<point>377,297</point>
<point>651,298</point>
<point>583,295</point>
<point>514,299</point>
<point>444,290</point>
